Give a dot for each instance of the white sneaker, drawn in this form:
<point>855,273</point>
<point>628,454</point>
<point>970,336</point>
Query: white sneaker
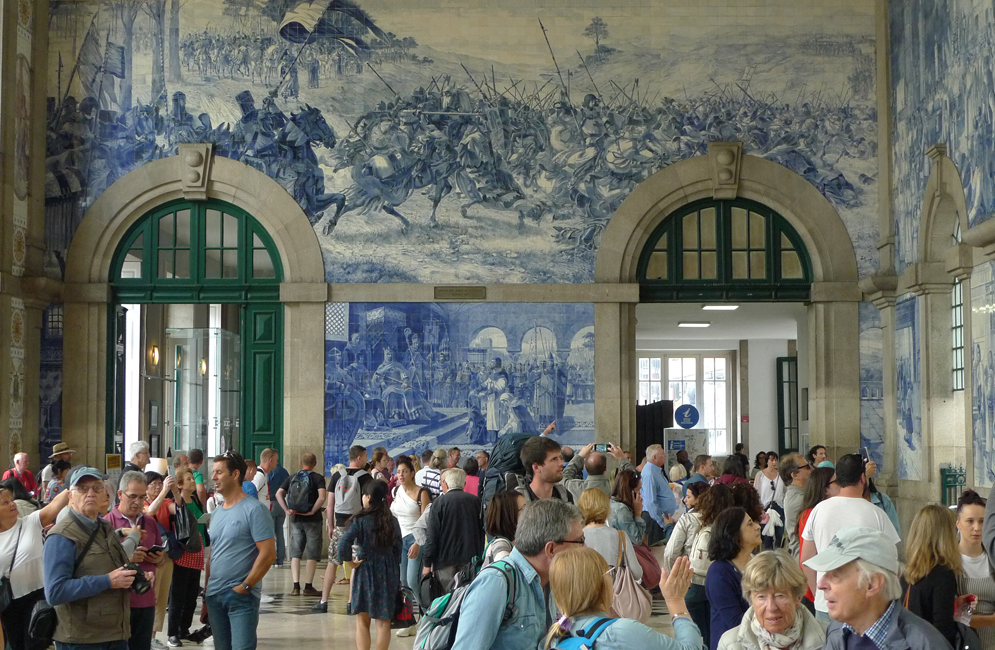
<point>407,631</point>
<point>158,645</point>
<point>266,599</point>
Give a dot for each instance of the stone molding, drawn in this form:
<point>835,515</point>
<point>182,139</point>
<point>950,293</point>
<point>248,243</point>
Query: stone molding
<point>624,292</point>
<point>924,278</point>
<point>94,292</point>
<point>943,206</point>
<point>836,292</point>
<point>196,172</point>
<point>959,261</point>
<point>880,289</point>
<point>725,158</point>
<point>303,292</point>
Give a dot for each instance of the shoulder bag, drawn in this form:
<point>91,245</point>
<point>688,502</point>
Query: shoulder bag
<point>6,590</point>
<point>630,600</point>
<point>41,627</point>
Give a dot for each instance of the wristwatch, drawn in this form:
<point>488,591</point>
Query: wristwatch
<point>247,586</point>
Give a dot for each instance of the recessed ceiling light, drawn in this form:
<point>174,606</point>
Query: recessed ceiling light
<point>694,324</point>
<point>719,307</point>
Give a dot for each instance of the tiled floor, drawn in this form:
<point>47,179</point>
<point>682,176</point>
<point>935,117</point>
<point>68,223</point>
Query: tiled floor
<point>288,621</point>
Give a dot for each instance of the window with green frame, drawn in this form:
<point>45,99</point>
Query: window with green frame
<point>724,250</point>
<point>197,252</point>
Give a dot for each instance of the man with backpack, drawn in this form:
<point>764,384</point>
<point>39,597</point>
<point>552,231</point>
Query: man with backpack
<point>541,458</point>
<point>504,607</point>
<point>301,497</point>
<point>347,488</point>
<point>455,529</point>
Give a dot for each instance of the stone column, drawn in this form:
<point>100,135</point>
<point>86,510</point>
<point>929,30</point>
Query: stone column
<point>303,371</point>
<point>615,372</point>
<point>834,372</point>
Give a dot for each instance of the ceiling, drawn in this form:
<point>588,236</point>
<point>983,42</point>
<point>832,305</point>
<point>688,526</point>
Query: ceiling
<point>656,324</point>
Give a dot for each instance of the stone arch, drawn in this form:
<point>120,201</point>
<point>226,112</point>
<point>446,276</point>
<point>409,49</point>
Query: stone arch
<point>944,206</point>
<point>763,181</point>
<point>194,174</point>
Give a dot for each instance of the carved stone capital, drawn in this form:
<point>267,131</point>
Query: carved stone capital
<point>959,261</point>
<point>196,170</point>
<point>880,288</point>
<point>726,160</point>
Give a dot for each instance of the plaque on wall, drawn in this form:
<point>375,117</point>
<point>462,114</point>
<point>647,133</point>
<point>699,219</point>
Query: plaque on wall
<point>461,293</point>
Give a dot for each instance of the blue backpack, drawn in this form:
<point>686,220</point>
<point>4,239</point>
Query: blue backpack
<point>584,639</point>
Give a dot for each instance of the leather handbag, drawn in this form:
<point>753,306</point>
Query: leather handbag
<point>630,600</point>
<point>651,567</point>
<point>6,590</point>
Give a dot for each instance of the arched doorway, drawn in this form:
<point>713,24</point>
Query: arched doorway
<point>217,348</point>
<point>198,176</point>
<point>725,174</point>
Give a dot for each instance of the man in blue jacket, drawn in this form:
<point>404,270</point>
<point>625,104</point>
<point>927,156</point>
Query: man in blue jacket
<point>658,499</point>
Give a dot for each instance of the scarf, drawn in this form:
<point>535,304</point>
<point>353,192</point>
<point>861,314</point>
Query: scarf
<point>773,641</point>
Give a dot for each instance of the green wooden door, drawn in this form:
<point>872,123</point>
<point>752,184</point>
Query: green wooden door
<point>262,408</point>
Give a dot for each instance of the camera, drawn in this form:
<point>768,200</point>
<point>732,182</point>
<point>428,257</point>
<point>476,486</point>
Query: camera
<point>141,583</point>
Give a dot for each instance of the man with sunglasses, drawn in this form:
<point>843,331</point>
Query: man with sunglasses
<point>848,509</point>
<point>794,471</point>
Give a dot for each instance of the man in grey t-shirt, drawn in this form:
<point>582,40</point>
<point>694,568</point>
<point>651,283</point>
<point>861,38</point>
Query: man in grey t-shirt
<point>243,546</point>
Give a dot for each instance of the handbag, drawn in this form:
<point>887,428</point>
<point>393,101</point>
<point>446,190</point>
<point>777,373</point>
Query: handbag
<point>404,613</point>
<point>651,566</point>
<point>630,600</point>
<point>6,590</point>
<point>41,626</point>
<point>429,588</point>
<point>186,531</point>
<point>967,638</point>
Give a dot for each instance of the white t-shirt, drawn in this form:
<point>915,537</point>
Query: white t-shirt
<point>262,487</point>
<point>836,513</point>
<point>406,509</point>
<point>975,568</point>
<point>28,574</point>
<point>419,475</point>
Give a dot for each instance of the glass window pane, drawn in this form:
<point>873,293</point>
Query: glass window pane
<point>720,368</point>
<point>791,265</point>
<point>182,263</point>
<point>758,267</point>
<point>656,269</point>
<point>675,392</point>
<point>644,392</point>
<point>139,242</point>
<point>655,369</point>
<point>709,368</point>
<point>721,419</point>
<point>655,391</point>
<point>661,244</point>
<point>673,369</point>
<point>739,265</point>
<point>256,242</point>
<point>757,238</point>
<point>707,410</point>
<point>229,261</point>
<point>183,229</point>
<point>708,228</point>
<point>690,368</point>
<point>212,226</point>
<point>231,231</point>
<point>212,264</point>
<point>786,243</point>
<point>165,264</point>
<point>690,391</point>
<point>709,270</point>
<point>691,231</point>
<point>262,264</point>
<point>644,369</point>
<point>739,228</point>
<point>166,234</point>
<point>690,266</point>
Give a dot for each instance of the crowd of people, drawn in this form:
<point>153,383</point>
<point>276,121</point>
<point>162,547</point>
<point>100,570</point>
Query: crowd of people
<point>802,558</point>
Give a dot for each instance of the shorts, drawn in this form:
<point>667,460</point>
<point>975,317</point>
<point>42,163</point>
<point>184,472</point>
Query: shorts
<point>333,545</point>
<point>305,540</point>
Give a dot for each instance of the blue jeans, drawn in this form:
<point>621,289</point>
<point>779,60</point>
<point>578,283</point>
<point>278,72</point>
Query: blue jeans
<point>110,645</point>
<point>410,569</point>
<point>233,618</point>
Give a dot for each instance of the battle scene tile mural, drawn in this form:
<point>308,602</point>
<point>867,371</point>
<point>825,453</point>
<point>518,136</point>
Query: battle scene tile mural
<point>872,383</point>
<point>983,372</point>
<point>417,376</point>
<point>460,142</point>
<point>908,387</point>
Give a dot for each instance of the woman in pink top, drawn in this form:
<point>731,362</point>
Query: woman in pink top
<point>471,468</point>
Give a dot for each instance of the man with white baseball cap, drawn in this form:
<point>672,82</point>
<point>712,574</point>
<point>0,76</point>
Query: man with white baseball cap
<point>859,579</point>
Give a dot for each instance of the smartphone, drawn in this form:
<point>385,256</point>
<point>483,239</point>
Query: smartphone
<point>865,454</point>
<point>158,548</point>
<point>601,447</point>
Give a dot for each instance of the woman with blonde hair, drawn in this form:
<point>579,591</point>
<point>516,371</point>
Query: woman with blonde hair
<point>582,590</point>
<point>774,587</point>
<point>929,583</point>
<point>595,506</point>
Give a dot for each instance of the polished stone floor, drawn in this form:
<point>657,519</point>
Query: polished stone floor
<point>288,621</point>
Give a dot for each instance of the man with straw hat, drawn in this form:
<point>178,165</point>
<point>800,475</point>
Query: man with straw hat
<point>60,451</point>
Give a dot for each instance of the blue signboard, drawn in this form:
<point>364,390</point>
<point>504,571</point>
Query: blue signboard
<point>686,416</point>
<point>675,445</point>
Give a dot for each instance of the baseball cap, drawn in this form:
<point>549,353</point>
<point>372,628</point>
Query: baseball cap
<point>856,543</point>
<point>84,472</point>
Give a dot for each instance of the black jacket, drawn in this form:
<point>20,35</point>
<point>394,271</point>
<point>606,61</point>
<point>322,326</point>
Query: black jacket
<point>455,532</point>
<point>932,599</point>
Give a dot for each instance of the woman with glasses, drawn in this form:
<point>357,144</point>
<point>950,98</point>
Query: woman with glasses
<point>759,463</point>
<point>735,535</point>
<point>21,563</point>
<point>820,486</point>
<point>770,487</point>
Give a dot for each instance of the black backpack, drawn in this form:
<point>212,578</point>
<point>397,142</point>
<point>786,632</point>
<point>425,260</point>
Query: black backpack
<point>299,492</point>
<point>506,462</point>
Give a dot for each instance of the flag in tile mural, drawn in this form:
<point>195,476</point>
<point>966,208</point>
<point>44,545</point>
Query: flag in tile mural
<point>337,321</point>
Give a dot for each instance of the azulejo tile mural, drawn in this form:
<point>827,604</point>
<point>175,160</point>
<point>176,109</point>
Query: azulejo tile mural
<point>983,372</point>
<point>872,383</point>
<point>461,142</point>
<point>908,388</point>
<point>417,376</point>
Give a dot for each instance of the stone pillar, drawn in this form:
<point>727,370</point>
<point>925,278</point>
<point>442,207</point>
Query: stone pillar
<point>615,375</point>
<point>85,372</point>
<point>834,373</point>
<point>303,372</point>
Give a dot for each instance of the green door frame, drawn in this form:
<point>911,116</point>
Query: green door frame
<point>255,287</point>
<point>788,430</point>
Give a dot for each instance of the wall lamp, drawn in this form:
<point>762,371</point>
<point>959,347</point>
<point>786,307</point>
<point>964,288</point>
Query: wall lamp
<point>154,355</point>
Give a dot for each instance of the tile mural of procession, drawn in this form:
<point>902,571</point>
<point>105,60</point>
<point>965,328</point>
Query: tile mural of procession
<point>439,143</point>
<point>908,388</point>
<point>417,376</point>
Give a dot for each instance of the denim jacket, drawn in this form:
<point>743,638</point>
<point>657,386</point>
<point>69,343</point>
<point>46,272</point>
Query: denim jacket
<point>621,517</point>
<point>481,621</point>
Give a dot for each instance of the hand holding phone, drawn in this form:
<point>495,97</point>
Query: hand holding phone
<point>602,448</point>
<point>158,548</point>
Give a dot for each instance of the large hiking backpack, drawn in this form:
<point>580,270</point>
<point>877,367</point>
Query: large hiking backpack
<point>299,492</point>
<point>348,495</point>
<point>699,552</point>
<point>506,461</point>
<point>438,625</point>
<point>585,639</point>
